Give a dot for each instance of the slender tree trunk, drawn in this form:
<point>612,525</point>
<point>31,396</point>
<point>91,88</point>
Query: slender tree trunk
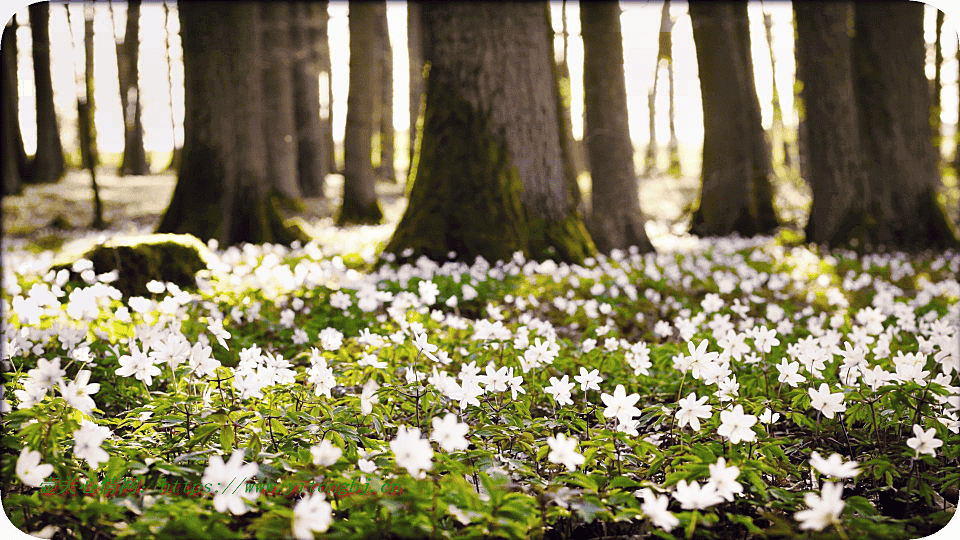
<point>666,50</point>
<point>134,160</point>
<point>387,170</point>
<point>308,36</point>
<point>616,221</point>
<point>563,68</point>
<point>222,191</point>
<point>175,157</point>
<point>824,66</point>
<point>15,162</point>
<point>326,113</point>
<point>490,179</point>
<point>360,204</point>
<point>48,162</point>
<point>89,153</point>
<point>415,54</point>
<point>777,137</point>
<point>279,127</point>
<point>893,96</point>
<point>736,196</point>
<point>935,110</point>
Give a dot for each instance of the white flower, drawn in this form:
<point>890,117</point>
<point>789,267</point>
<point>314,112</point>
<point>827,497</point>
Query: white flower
<point>87,441</point>
<point>769,417</point>
<point>620,405</point>
<point>29,469</point>
<point>589,380</point>
<point>326,454</point>
<point>560,390</point>
<point>655,507</point>
<point>420,342</point>
<point>412,452</point>
<point>824,401</point>
<point>449,433</point>
<point>724,479</point>
<point>173,350</point>
<point>824,509</point>
<point>223,476</point>
<point>693,497</point>
<point>765,339</point>
<point>736,425</point>
<point>834,466</point>
<point>368,396</point>
<point>700,360</point>
<point>564,451</point>
<point>139,365</point>
<point>201,363</point>
<point>216,328</point>
<point>495,380</point>
<point>692,410</point>
<point>925,442</point>
<point>330,339</point>
<point>47,374</point>
<point>311,513</point>
<point>77,393</point>
<point>789,373</point>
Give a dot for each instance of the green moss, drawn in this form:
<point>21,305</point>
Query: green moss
<point>170,258</point>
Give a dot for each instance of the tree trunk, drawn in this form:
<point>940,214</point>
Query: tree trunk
<point>86,110</point>
<point>387,171</point>
<point>736,196</point>
<point>326,112</point>
<point>174,164</point>
<point>48,162</point>
<point>824,67</point>
<point>616,221</point>
<point>778,139</point>
<point>893,96</point>
<point>935,110</point>
<point>222,190</point>
<point>360,204</point>
<point>490,179</point>
<point>308,21</point>
<point>279,127</point>
<point>15,163</point>
<point>563,69</point>
<point>415,55</point>
<point>134,160</point>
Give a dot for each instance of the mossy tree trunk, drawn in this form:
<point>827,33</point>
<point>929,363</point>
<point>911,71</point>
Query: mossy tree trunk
<point>893,103</point>
<point>415,59</point>
<point>134,161</point>
<point>308,21</point>
<point>736,196</point>
<point>222,190</point>
<point>279,126</point>
<point>384,102</point>
<point>15,162</point>
<point>616,221</point>
<point>48,163</point>
<point>824,66</point>
<point>489,178</point>
<point>360,204</point>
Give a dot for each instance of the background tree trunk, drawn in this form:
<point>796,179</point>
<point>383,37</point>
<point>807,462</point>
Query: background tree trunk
<point>308,22</point>
<point>616,221</point>
<point>86,110</point>
<point>177,149</point>
<point>279,127</point>
<point>222,190</point>
<point>563,69</point>
<point>415,55</point>
<point>360,204</point>
<point>935,124</point>
<point>15,162</point>
<point>824,67</point>
<point>736,196</point>
<point>893,96</point>
<point>48,162</point>
<point>326,113</point>
<point>387,171</point>
<point>490,179</point>
<point>134,160</point>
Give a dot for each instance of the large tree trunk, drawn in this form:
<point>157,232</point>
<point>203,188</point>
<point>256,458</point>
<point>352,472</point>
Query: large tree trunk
<point>48,162</point>
<point>893,102</point>
<point>736,196</point>
<point>360,204</point>
<point>384,103</point>
<point>134,160</point>
<point>308,22</point>
<point>15,163</point>
<point>279,127</point>
<point>415,55</point>
<point>836,177</point>
<point>616,221</point>
<point>490,179</point>
<point>222,190</point>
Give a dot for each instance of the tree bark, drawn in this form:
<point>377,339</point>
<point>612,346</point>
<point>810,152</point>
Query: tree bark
<point>736,196</point>
<point>134,160</point>
<point>616,221</point>
<point>415,55</point>
<point>387,171</point>
<point>326,112</point>
<point>935,110</point>
<point>87,107</point>
<point>360,204</point>
<point>563,70</point>
<point>893,102</point>
<point>490,180</point>
<point>308,21</point>
<point>48,164</point>
<point>222,190</point>
<point>824,66</point>
<point>279,126</point>
<point>15,162</point>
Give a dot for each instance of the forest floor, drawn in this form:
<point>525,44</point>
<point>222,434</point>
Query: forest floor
<point>44,217</point>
